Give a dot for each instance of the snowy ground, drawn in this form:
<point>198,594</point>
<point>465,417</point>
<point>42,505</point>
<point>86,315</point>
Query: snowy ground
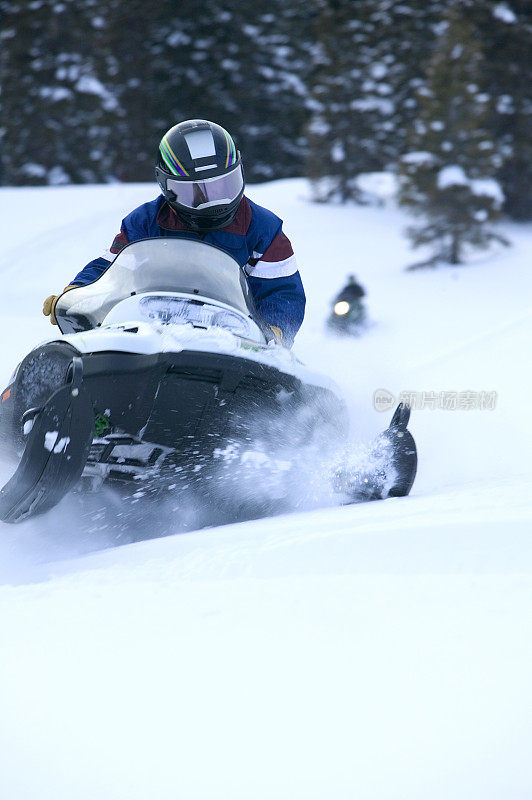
<point>378,652</point>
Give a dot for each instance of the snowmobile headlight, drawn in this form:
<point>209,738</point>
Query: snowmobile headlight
<point>232,322</point>
<point>182,311</point>
<point>341,308</point>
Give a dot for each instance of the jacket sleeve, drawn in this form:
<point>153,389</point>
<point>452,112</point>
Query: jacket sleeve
<point>276,286</point>
<point>138,224</point>
<point>97,266</point>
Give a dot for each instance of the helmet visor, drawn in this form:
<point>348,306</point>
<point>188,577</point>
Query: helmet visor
<point>220,190</point>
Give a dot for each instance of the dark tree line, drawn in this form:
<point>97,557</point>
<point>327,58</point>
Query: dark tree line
<point>88,88</point>
<point>327,88</point>
<point>368,68</point>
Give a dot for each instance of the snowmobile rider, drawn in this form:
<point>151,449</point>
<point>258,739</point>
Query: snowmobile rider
<point>201,177</point>
<point>348,314</point>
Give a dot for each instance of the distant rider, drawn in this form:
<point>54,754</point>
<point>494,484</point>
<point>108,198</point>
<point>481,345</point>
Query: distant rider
<point>201,177</point>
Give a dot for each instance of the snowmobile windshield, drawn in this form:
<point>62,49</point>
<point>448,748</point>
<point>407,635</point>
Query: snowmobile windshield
<point>183,266</point>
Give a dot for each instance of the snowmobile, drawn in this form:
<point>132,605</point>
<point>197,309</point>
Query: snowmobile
<point>348,315</point>
<point>164,376</point>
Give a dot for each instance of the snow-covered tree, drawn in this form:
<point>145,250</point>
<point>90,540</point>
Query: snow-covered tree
<point>89,88</point>
<point>128,65</point>
<point>369,61</point>
<point>244,66</point>
<point>505,32</point>
<point>56,112</point>
<point>448,176</point>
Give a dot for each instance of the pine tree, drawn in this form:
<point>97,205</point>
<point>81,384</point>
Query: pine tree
<point>447,178</point>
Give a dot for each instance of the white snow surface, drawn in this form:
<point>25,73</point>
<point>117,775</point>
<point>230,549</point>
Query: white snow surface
<point>376,652</point>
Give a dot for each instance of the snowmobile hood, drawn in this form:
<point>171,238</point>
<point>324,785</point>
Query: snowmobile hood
<point>147,339</point>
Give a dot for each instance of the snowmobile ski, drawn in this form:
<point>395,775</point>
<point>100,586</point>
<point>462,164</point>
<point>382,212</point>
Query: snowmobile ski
<point>58,445</point>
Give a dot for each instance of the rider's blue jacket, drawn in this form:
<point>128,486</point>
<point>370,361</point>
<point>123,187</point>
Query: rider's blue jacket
<point>255,239</point>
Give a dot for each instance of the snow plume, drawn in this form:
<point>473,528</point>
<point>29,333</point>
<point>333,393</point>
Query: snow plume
<point>264,475</point>
<point>28,548</point>
<point>274,461</point>
<point>285,459</point>
<point>292,457</point>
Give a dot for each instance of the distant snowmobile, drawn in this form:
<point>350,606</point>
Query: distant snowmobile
<point>348,315</point>
<point>164,376</point>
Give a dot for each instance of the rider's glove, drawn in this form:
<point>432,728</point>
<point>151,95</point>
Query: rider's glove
<point>48,308</point>
<point>278,334</point>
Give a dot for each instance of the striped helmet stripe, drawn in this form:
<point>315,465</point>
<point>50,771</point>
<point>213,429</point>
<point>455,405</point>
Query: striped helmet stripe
<point>170,159</point>
<point>231,150</point>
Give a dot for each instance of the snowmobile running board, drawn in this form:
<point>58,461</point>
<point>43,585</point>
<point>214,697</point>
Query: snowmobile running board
<point>55,454</point>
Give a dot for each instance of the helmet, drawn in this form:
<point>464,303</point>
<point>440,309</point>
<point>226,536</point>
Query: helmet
<point>200,174</point>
